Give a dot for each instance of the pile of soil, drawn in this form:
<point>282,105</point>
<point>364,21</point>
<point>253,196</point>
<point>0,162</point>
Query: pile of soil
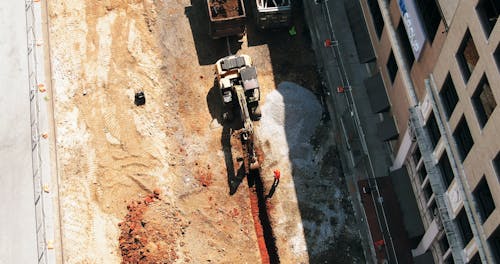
<point>150,231</point>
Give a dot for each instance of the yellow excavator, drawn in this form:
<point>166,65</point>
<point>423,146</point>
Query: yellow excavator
<point>240,92</point>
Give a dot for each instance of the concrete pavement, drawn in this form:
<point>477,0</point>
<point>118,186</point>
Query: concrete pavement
<point>18,243</point>
<point>28,188</point>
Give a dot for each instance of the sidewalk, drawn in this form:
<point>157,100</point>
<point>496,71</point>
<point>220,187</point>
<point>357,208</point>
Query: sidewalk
<point>28,187</point>
<point>363,154</point>
<point>17,219</point>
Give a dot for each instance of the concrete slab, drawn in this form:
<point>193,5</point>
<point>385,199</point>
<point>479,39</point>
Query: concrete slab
<point>17,217</point>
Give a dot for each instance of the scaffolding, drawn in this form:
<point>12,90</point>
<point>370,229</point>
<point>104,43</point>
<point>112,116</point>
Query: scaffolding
<point>435,180</point>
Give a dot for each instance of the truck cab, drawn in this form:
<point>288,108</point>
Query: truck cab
<point>273,13</point>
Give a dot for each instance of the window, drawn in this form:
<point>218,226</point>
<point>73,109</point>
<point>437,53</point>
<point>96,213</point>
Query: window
<point>494,242</point>
<point>496,55</point>
<point>463,138</point>
<point>467,56</point>
<point>483,101</point>
<point>432,208</point>
<point>433,129</point>
<point>475,260</point>
<point>392,67</point>
<point>448,96</point>
<point>488,12</point>
<point>446,170</point>
<point>417,155</point>
<point>406,46</point>
<point>464,227</point>
<point>496,165</point>
<point>427,192</point>
<point>378,21</point>
<point>430,16</point>
<point>422,173</point>
<point>483,198</point>
<point>443,244</point>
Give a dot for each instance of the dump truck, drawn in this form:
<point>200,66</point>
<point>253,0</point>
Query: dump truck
<point>239,89</point>
<point>273,13</point>
<point>227,18</point>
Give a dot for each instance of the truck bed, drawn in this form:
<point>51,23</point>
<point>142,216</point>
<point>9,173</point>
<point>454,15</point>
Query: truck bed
<point>227,18</point>
<point>220,9</point>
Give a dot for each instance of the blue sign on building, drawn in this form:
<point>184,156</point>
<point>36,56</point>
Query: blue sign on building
<point>413,25</point>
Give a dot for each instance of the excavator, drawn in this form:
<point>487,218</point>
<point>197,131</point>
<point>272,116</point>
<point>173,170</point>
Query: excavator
<point>239,89</point>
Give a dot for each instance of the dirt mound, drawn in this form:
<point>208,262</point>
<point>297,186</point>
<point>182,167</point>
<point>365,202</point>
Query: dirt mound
<point>150,231</point>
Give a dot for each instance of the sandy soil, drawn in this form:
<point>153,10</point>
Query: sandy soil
<point>112,153</point>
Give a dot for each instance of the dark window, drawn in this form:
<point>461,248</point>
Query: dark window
<point>483,101</point>
<point>427,191</point>
<point>406,46</point>
<point>496,164</point>
<point>392,67</point>
<point>433,129</point>
<point>430,16</point>
<point>446,171</point>
<point>449,96</point>
<point>432,208</point>
<point>449,260</point>
<point>484,200</point>
<point>475,260</point>
<point>464,227</point>
<point>378,21</point>
<point>443,244</point>
<point>494,242</point>
<point>463,138</point>
<point>467,56</point>
<point>496,55</point>
<point>422,173</point>
<point>488,11</point>
<point>416,155</point>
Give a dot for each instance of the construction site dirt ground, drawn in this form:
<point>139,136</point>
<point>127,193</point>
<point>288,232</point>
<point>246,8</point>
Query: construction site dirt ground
<point>149,184</point>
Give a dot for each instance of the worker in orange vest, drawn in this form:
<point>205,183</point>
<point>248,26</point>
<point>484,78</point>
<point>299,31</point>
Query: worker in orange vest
<point>277,175</point>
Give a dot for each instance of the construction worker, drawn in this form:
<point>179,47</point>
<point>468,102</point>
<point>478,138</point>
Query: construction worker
<point>277,175</point>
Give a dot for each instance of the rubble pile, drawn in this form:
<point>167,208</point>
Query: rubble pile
<point>143,239</point>
<point>225,8</point>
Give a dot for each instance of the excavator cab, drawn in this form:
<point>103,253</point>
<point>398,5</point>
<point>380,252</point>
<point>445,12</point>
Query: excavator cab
<point>236,77</point>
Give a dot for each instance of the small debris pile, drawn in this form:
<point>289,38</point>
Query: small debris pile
<point>225,8</point>
<point>149,234</point>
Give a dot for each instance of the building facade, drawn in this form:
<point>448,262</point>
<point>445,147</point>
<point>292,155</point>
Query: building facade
<point>438,64</point>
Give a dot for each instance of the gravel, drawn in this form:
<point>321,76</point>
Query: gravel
<point>290,115</point>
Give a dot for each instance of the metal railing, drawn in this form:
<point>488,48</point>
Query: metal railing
<point>366,164</point>
<point>35,133</point>
<point>435,180</point>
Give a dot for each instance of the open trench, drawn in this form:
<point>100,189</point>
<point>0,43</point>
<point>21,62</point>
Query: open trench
<point>235,154</point>
<point>263,229</point>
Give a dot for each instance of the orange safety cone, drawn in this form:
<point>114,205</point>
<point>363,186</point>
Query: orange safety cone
<point>41,88</point>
